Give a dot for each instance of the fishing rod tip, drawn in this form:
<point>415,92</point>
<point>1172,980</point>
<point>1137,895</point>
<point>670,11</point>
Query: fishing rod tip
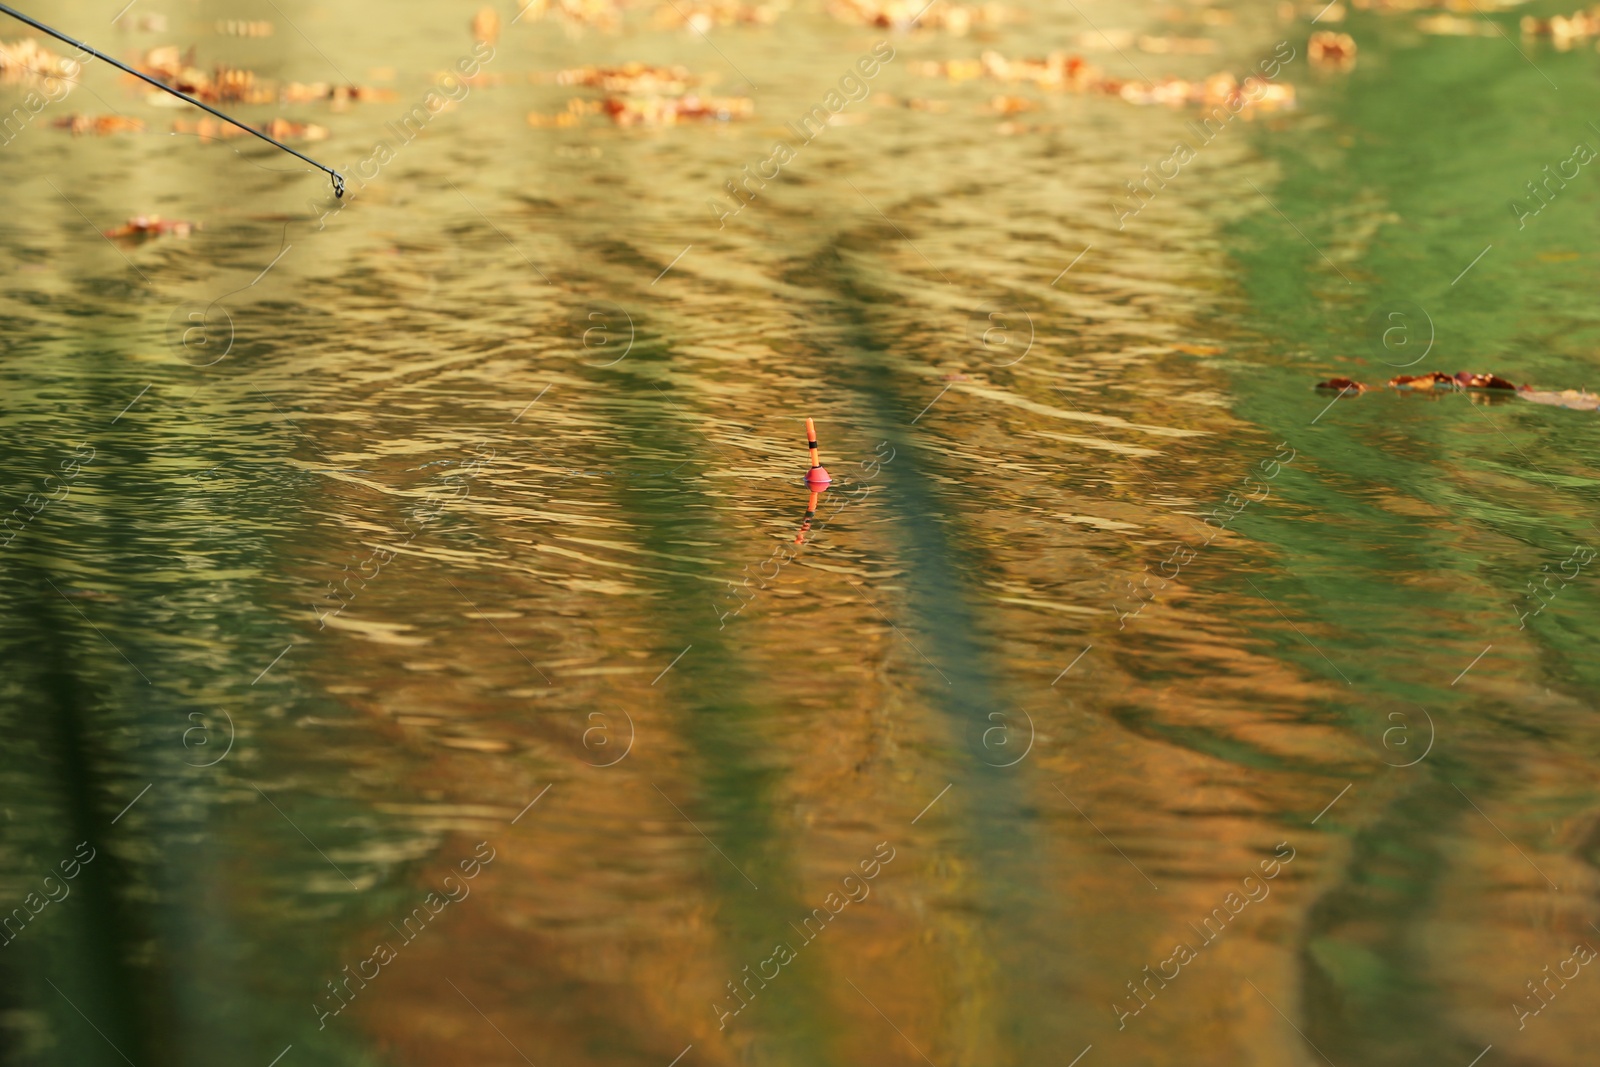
<point>338,185</point>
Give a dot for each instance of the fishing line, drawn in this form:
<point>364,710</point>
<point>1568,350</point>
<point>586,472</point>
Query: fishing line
<point>283,246</point>
<point>338,179</point>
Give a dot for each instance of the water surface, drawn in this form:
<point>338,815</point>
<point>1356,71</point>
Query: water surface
<point>446,558</point>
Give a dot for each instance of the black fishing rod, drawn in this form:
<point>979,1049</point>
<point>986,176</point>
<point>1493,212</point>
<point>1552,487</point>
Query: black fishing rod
<point>338,179</point>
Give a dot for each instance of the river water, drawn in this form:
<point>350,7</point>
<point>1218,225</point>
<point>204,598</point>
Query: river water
<point>409,625</point>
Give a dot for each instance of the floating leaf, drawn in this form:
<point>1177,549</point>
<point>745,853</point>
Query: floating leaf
<point>1328,48</point>
<point>146,226</point>
<point>1011,105</point>
<point>1564,30</point>
<point>100,125</point>
<point>1072,73</point>
<point>27,63</point>
<point>234,85</point>
<point>669,111</point>
<point>1432,380</point>
<point>486,25</point>
<point>1469,380</point>
<point>1568,398</point>
<point>279,129</point>
<point>639,78</point>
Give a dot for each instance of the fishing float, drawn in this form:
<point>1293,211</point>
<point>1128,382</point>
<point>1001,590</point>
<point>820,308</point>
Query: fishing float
<point>817,481</point>
<point>817,477</point>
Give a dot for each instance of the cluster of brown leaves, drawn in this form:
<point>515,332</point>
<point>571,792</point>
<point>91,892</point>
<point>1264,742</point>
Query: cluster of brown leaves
<point>637,78</point>
<point>598,14</point>
<point>1579,26</point>
<point>703,15</point>
<point>1336,51</point>
<point>954,19</point>
<point>278,129</point>
<point>239,28</point>
<point>141,227</point>
<point>25,62</point>
<point>643,95</point>
<point>1221,89</point>
<point>1060,71</point>
<point>1469,380</point>
<point>101,125</point>
<point>672,110</point>
<point>1431,380</point>
<point>337,95</point>
<point>171,66</point>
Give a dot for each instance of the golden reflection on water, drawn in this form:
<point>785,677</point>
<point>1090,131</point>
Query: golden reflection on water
<point>497,563</point>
